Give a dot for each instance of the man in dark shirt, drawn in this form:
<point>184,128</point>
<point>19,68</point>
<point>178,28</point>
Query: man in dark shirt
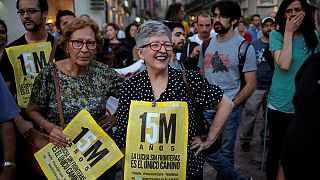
<point>33,16</point>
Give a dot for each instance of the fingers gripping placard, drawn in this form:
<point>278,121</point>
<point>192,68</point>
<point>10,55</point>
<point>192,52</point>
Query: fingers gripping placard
<point>92,151</point>
<point>157,138</point>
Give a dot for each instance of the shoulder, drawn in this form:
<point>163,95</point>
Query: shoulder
<point>20,41</point>
<point>275,34</point>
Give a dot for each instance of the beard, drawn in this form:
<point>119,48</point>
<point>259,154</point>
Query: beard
<point>178,48</point>
<point>266,34</point>
<point>218,28</point>
<point>35,26</point>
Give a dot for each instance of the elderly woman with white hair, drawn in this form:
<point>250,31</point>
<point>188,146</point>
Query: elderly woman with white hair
<point>160,83</point>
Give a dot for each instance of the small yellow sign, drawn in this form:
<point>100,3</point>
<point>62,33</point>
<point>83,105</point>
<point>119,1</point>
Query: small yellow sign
<point>157,139</point>
<point>27,61</point>
<point>91,154</point>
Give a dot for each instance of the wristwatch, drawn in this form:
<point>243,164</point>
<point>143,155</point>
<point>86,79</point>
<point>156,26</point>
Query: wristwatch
<point>9,164</point>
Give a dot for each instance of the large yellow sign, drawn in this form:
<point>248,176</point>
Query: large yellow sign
<point>157,139</point>
<point>92,151</point>
<point>27,61</point>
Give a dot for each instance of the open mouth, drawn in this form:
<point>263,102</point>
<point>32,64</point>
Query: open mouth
<point>161,58</point>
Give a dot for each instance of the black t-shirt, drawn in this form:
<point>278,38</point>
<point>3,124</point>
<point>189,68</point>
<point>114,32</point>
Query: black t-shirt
<point>301,147</point>
<point>6,68</point>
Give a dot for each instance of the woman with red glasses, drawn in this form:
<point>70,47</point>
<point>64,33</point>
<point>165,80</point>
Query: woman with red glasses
<point>160,83</point>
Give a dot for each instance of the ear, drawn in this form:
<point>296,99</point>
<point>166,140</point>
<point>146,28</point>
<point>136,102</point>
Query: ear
<point>45,14</point>
<point>140,52</point>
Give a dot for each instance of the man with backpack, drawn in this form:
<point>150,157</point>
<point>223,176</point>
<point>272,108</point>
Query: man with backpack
<point>264,76</point>
<point>220,65</point>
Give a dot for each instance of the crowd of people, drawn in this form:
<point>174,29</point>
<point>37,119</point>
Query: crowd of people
<point>233,72</point>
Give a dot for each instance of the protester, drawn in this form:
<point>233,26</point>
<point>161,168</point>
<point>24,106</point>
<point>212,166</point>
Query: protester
<point>177,39</point>
<point>241,28</point>
<point>295,40</point>
<point>259,97</point>
<point>131,31</point>
<point>84,83</point>
<point>33,14</point>
<point>219,64</point>
<point>254,30</point>
<point>159,82</point>
<point>176,12</point>
<point>190,56</point>
<point>63,16</point>
<point>115,52</point>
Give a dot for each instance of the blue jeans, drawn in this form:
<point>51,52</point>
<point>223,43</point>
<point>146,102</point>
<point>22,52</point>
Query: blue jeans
<point>223,159</point>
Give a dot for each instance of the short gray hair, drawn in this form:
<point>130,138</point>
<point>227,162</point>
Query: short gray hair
<point>151,29</point>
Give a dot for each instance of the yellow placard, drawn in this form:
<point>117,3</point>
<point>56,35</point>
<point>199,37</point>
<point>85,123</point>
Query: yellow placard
<point>91,154</point>
<point>157,139</point>
<point>27,61</point>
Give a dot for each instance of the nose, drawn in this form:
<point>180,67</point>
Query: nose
<point>162,49</point>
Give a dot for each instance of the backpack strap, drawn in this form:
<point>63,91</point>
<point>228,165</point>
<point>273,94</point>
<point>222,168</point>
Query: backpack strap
<point>242,54</point>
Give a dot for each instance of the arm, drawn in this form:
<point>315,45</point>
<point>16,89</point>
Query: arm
<point>22,125</point>
<point>57,137</point>
<point>283,57</point>
<point>8,140</point>
<point>223,110</point>
<point>248,89</point>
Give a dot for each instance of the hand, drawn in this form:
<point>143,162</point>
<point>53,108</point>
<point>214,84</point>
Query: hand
<point>201,143</point>
<point>23,127</point>
<point>107,122</point>
<point>294,22</point>
<point>7,173</point>
<point>195,52</point>
<point>57,137</point>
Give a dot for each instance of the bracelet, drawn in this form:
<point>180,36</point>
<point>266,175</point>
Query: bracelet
<point>9,164</point>
<point>41,124</point>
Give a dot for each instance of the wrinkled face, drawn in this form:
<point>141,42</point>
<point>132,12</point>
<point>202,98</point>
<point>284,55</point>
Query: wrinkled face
<point>222,24</point>
<point>267,27</point>
<point>204,27</point>
<point>293,9</point>
<point>111,32</point>
<point>63,21</point>
<point>3,35</point>
<point>178,38</point>
<point>157,60</point>
<point>30,15</point>
<point>82,56</point>
<point>133,31</point>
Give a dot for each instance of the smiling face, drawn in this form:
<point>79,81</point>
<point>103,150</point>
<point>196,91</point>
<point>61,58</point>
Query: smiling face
<point>156,60</point>
<point>83,56</point>
<point>32,21</point>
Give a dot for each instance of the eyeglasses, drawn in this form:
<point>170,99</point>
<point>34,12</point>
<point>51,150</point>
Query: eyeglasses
<point>297,10</point>
<point>156,46</point>
<point>28,11</point>
<point>77,44</point>
<point>219,16</point>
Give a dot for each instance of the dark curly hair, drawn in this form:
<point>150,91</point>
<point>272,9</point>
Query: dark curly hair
<point>307,26</point>
<point>228,8</point>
